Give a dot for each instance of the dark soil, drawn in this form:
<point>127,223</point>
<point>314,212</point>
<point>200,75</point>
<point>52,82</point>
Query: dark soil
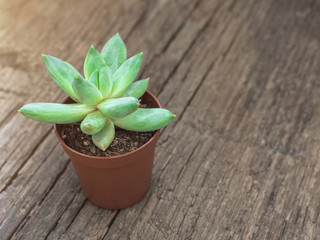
<point>124,141</point>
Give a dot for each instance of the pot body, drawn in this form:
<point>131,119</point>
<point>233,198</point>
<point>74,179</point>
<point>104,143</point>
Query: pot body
<point>115,182</point>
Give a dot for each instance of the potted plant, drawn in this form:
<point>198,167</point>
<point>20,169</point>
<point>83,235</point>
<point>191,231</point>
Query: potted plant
<point>105,101</point>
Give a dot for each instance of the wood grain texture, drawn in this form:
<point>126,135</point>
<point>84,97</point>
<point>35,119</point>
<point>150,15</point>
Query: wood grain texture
<point>241,160</point>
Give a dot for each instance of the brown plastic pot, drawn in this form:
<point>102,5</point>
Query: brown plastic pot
<point>115,182</point>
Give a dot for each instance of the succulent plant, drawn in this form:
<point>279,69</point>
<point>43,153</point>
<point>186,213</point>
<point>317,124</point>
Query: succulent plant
<point>105,97</point>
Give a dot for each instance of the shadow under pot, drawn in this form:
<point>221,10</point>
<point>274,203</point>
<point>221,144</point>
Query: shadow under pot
<point>119,181</point>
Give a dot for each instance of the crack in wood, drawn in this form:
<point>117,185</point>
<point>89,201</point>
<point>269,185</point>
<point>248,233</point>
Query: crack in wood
<point>169,42</point>
<point>202,30</point>
<point>188,160</point>
<point>111,222</point>
<point>10,114</point>
<point>138,22</point>
<point>54,183</point>
<point>194,93</point>
<point>58,219</point>
<point>18,144</point>
<point>41,164</point>
<point>16,173</point>
<point>173,36</point>
<point>74,217</point>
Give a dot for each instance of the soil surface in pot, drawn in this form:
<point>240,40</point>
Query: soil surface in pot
<point>124,141</point>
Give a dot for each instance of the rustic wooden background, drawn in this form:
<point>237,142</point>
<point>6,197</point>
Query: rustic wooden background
<point>241,160</point>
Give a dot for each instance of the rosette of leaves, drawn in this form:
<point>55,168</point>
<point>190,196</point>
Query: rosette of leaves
<point>105,97</point>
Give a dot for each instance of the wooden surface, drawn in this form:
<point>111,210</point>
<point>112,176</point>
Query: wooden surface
<point>241,160</point>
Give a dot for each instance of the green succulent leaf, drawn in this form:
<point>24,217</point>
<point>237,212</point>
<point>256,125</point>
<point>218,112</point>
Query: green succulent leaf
<point>94,61</point>
<point>114,52</point>
<point>125,75</point>
<point>105,137</point>
<point>118,107</point>
<point>93,122</point>
<point>137,89</point>
<point>105,81</point>
<point>56,112</point>
<point>86,91</point>
<point>94,78</point>
<point>145,119</point>
<point>62,73</point>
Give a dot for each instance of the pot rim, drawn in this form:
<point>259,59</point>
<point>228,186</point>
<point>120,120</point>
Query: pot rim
<point>156,135</point>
